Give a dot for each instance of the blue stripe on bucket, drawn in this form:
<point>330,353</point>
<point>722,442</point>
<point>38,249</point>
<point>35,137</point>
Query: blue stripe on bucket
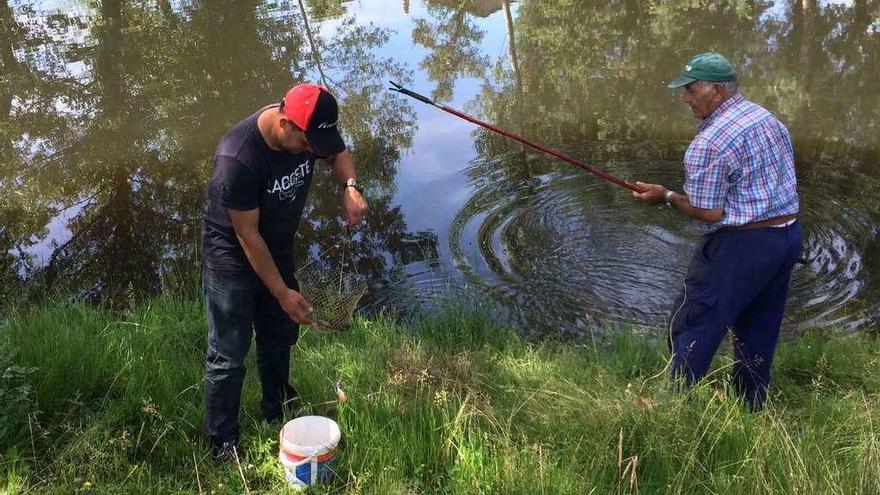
<point>325,471</point>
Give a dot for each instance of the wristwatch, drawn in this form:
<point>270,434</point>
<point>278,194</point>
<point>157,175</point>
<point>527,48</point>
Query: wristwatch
<point>667,198</point>
<point>353,183</point>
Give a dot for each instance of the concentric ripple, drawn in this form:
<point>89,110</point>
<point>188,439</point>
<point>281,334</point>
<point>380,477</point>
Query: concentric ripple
<point>562,251</point>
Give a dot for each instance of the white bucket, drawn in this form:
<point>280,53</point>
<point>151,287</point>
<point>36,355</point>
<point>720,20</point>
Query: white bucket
<point>308,445</point>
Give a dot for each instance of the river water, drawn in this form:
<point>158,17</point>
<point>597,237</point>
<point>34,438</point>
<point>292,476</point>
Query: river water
<point>110,111</point>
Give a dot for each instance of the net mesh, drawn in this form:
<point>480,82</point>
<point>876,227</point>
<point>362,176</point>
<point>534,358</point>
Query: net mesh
<point>332,285</point>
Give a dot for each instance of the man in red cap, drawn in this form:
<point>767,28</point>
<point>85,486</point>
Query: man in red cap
<point>262,171</point>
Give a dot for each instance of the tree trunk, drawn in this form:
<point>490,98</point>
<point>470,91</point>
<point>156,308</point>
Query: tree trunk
<point>809,10</point>
<point>8,64</point>
<point>108,59</point>
<point>514,61</point>
<point>314,48</point>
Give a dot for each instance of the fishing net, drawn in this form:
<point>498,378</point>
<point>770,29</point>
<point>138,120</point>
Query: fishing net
<point>331,283</point>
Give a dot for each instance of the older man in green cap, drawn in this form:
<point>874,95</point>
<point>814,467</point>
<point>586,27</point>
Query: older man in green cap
<point>740,180</point>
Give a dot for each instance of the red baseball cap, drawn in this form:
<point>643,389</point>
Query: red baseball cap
<point>314,109</point>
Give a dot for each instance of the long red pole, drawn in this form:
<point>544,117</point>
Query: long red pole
<point>516,137</point>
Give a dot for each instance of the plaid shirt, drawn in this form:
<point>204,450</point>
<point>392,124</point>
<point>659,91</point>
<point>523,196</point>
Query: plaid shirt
<point>741,160</point>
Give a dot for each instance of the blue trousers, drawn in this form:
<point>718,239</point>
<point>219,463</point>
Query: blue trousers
<point>238,305</point>
<point>738,280</point>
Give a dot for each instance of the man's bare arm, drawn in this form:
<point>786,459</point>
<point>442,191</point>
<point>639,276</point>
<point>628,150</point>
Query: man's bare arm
<point>354,206</point>
<point>246,225</point>
<point>655,194</point>
<point>680,202</point>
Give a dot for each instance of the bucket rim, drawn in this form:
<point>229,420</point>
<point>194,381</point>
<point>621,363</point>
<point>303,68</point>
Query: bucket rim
<point>303,451</point>
<point>289,460</point>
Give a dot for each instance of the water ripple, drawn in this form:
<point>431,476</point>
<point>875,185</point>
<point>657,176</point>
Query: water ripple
<point>560,249</point>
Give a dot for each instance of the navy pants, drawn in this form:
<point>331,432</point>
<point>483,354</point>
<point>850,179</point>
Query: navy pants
<point>238,305</point>
<point>738,280</point>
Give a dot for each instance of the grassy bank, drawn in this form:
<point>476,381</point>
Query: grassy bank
<point>102,403</point>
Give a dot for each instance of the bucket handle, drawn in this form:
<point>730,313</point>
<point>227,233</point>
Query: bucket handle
<point>312,459</point>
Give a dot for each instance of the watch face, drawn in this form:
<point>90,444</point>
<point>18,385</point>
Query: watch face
<point>353,183</point>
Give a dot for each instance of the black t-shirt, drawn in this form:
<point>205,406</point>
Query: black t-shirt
<point>248,174</point>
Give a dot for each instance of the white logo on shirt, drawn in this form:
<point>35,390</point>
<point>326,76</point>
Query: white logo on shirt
<point>288,185</point>
<point>326,125</point>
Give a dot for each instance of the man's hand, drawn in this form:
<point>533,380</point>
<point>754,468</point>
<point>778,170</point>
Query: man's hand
<point>295,305</point>
<point>654,193</point>
<point>353,204</point>
<point>353,207</point>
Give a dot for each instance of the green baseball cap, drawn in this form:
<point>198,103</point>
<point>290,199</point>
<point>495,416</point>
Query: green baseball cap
<point>709,66</point>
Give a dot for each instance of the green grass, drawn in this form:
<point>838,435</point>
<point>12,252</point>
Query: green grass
<point>446,404</point>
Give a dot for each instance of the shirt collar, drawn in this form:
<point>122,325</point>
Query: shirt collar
<point>733,100</point>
